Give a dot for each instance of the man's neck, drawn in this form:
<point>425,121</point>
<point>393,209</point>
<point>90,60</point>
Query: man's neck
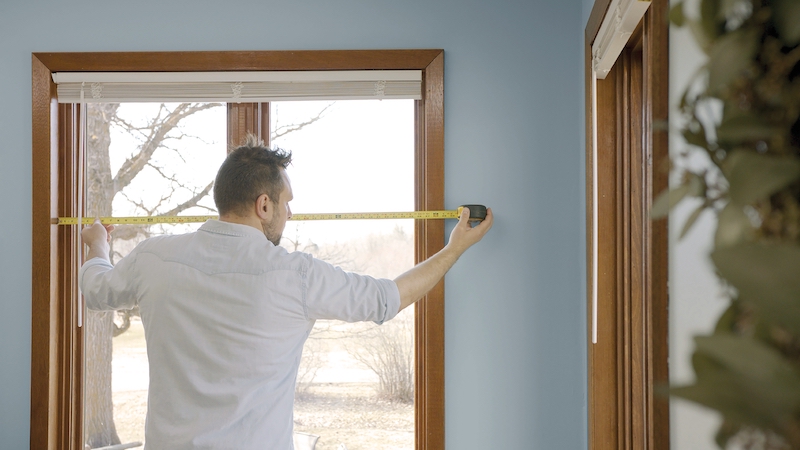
<point>251,220</point>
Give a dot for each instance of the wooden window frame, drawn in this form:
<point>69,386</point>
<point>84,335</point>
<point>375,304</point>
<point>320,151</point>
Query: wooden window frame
<point>630,359</point>
<point>247,118</point>
<point>56,341</point>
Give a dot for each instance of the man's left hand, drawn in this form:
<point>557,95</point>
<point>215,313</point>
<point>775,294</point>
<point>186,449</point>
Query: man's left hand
<point>97,236</point>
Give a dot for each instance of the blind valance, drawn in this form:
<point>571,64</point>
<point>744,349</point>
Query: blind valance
<point>236,87</point>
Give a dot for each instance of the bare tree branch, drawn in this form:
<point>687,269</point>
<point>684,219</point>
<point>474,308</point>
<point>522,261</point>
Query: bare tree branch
<point>191,202</point>
<point>128,232</point>
<point>164,175</point>
<point>283,130</point>
<point>158,132</point>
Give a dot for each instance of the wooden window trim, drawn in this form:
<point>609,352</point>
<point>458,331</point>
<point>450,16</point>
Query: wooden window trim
<point>630,359</point>
<point>247,118</point>
<point>56,359</point>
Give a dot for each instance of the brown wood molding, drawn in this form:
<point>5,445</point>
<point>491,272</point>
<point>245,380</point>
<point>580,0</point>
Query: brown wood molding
<point>605,405</point>
<point>631,355</point>
<point>55,350</point>
<point>56,358</point>
<point>70,350</point>
<point>599,10</point>
<point>44,327</point>
<point>429,370</point>
<point>210,61</point>
<point>656,91</point>
<point>247,118</point>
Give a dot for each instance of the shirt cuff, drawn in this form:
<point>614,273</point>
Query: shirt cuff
<point>96,261</point>
<point>392,300</point>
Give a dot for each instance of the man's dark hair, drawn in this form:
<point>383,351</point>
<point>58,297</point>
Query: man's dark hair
<point>249,171</point>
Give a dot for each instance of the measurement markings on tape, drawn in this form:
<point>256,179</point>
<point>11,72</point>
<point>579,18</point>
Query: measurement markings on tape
<point>296,217</point>
<point>477,212</point>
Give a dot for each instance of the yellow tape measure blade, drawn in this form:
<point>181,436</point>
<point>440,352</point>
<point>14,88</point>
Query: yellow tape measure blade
<point>141,220</point>
<point>477,212</point>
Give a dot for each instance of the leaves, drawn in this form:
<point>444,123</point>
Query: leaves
<point>744,370</point>
<point>696,136</point>
<point>746,380</point>
<point>692,219</point>
<point>754,361</point>
<point>694,185</point>
<point>667,200</point>
<point>745,127</point>
<point>676,16</point>
<point>727,321</point>
<point>786,16</point>
<point>753,176</point>
<point>709,15</point>
<point>696,28</point>
<point>725,433</point>
<point>730,55</point>
<point>767,275</point>
<point>733,226</point>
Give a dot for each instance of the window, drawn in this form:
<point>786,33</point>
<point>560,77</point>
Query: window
<point>57,353</point>
<point>142,159</point>
<point>356,384</point>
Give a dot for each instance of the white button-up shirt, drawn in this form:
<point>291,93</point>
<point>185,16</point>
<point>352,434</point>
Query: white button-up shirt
<point>225,315</point>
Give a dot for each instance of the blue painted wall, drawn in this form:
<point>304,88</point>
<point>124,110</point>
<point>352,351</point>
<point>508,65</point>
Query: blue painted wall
<point>586,10</point>
<point>516,373</point>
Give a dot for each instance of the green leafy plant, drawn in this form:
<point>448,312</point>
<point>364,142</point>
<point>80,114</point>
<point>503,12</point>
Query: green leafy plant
<point>742,111</point>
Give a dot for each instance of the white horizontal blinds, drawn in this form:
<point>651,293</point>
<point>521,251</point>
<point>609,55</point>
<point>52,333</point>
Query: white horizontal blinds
<point>620,21</point>
<point>235,87</point>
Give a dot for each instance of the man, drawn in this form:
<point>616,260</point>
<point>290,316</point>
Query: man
<point>226,311</point>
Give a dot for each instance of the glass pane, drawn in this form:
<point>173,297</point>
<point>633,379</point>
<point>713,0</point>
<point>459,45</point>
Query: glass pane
<point>142,159</point>
<point>355,387</point>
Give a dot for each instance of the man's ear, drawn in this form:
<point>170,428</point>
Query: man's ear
<point>264,207</point>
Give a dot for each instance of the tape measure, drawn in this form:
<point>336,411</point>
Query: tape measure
<point>476,213</point>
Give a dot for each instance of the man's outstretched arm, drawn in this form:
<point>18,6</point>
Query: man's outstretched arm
<point>419,280</point>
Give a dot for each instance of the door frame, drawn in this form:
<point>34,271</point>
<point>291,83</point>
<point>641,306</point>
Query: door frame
<point>630,359</point>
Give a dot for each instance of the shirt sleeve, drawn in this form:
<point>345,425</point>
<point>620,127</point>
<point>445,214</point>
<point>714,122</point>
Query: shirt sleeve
<point>106,287</point>
<point>332,293</point>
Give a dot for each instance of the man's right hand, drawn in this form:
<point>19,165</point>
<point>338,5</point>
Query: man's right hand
<point>420,279</point>
<point>465,235</point>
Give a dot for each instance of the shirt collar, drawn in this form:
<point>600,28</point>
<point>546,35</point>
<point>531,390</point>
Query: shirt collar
<point>231,229</point>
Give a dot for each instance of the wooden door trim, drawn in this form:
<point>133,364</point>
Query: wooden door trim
<point>55,371</point>
<point>656,94</point>
<point>630,358</point>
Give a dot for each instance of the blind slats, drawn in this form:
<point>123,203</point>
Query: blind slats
<point>237,87</point>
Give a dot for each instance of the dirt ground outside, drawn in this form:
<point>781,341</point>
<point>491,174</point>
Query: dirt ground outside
<point>337,402</point>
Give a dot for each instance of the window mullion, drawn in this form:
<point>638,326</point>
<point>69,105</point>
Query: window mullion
<point>247,118</point>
